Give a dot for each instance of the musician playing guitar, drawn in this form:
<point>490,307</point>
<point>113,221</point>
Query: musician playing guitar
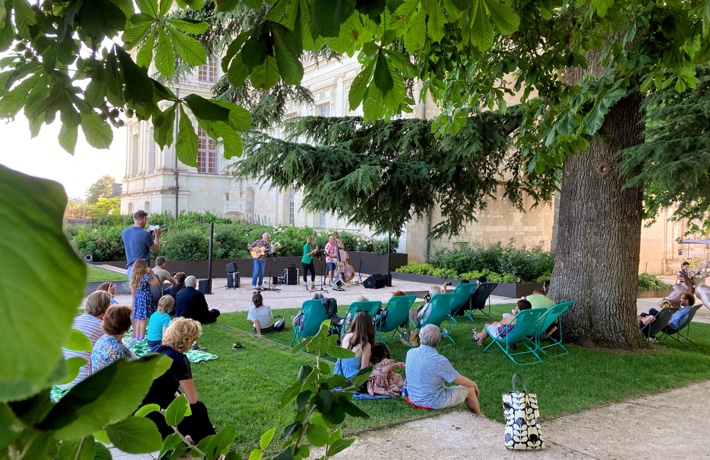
<point>331,254</point>
<point>259,249</point>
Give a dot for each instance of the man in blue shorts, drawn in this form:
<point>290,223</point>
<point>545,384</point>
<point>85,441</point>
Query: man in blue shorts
<point>137,242</point>
<point>427,371</point>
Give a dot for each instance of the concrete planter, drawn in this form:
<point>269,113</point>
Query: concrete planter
<point>362,262</point>
<point>512,290</point>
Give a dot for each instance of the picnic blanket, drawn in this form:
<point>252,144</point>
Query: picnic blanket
<point>366,396</point>
<point>140,349</point>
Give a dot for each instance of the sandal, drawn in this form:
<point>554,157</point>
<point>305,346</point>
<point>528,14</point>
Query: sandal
<point>474,335</point>
<point>237,345</point>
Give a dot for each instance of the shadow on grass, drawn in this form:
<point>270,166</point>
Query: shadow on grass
<point>243,386</point>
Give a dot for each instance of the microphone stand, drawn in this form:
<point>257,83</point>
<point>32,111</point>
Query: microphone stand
<point>322,274</point>
<point>271,270</point>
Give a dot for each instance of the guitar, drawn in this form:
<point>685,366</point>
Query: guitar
<point>260,251</point>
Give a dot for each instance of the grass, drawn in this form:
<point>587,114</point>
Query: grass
<point>94,274</point>
<point>243,386</point>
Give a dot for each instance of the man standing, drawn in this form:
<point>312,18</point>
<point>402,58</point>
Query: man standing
<point>427,371</point>
<point>191,303</point>
<point>137,242</point>
<point>163,275</point>
<point>331,254</point>
<point>257,273</point>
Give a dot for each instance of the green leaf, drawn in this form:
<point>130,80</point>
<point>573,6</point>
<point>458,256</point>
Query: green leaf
<point>148,7</point>
<point>339,446</point>
<point>256,454</point>
<point>189,26</point>
<point>96,131</point>
<point>72,369</point>
<point>415,33</point>
<point>188,48</point>
<point>481,27</point>
<point>9,426</point>
<point>32,245</point>
<point>135,435</point>
<point>231,140</point>
<point>164,124</point>
<point>287,49</point>
<point>78,341</point>
<point>383,79</point>
<point>289,393</point>
<point>266,75</point>
<point>317,435</point>
<point>68,136</point>
<point>164,55</point>
<point>24,17</point>
<point>177,410</point>
<point>133,35</point>
<point>359,86</point>
<point>504,17</point>
<point>147,409</point>
<point>602,6</point>
<point>102,452</point>
<point>329,14</point>
<point>239,117</point>
<point>105,397</point>
<point>205,109</point>
<point>253,53</point>
<point>437,21</point>
<point>220,442</point>
<point>165,7</point>
<point>266,438</point>
<point>238,71</point>
<point>187,139</point>
<point>80,449</point>
<point>172,444</point>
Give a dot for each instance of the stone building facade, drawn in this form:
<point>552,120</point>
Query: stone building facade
<point>156,182</point>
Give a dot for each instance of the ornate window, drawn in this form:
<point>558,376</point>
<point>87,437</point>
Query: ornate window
<point>206,153</point>
<point>208,71</point>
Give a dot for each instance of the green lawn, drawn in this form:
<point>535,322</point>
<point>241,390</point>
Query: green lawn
<point>243,386</point>
<point>99,274</point>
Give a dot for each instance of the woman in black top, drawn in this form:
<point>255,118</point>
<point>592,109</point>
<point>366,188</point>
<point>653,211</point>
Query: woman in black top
<point>179,284</point>
<point>177,339</point>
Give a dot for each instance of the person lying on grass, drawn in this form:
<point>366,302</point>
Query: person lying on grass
<point>502,328</point>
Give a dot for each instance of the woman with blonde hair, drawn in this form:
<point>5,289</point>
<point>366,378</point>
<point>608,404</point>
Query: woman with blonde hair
<point>89,324</point>
<point>177,340</point>
<point>309,249</point>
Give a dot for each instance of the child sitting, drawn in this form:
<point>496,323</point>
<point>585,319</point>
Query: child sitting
<point>159,321</point>
<point>383,380</point>
<point>502,328</point>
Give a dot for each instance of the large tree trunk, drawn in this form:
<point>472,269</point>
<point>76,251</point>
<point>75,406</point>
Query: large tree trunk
<point>599,237</point>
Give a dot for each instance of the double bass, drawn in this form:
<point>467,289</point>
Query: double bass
<point>342,264</point>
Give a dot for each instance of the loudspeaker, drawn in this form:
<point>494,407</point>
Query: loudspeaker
<point>375,281</point>
<point>291,275</point>
<point>233,280</point>
<point>231,267</point>
<point>388,280</point>
<point>337,283</point>
<point>204,286</point>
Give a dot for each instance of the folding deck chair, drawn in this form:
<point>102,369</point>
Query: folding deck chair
<point>651,330</point>
<point>370,306</point>
<point>479,298</point>
<point>438,311</point>
<point>397,314</point>
<point>525,322</point>
<point>682,334</point>
<point>463,293</point>
<point>544,323</point>
<point>313,314</point>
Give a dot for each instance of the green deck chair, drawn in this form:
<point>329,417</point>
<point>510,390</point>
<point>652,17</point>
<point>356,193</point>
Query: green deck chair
<point>463,298</point>
<point>546,320</point>
<point>439,308</point>
<point>313,316</point>
<point>478,300</point>
<point>370,306</point>
<point>397,313</point>
<point>525,322</point>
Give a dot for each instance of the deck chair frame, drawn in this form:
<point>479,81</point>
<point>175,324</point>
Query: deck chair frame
<point>313,316</point>
<point>478,300</point>
<point>440,308</point>
<point>651,331</point>
<point>397,314</point>
<point>682,335</point>
<point>525,322</point>
<point>543,324</point>
<point>463,292</point>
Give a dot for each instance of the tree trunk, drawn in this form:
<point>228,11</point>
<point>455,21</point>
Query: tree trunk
<point>599,237</point>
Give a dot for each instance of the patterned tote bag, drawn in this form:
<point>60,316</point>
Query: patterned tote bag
<point>522,419</point>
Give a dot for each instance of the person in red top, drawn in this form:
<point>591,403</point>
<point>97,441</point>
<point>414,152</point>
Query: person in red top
<point>331,254</point>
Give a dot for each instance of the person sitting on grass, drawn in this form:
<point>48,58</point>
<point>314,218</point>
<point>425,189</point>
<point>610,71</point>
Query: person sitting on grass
<point>179,284</point>
<point>422,313</point>
<point>159,321</point>
<point>110,288</point>
<point>109,347</point>
<point>261,317</point>
<point>89,323</point>
<point>427,371</point>
<point>383,380</point>
<point>502,328</point>
<point>359,339</point>
<point>177,340</point>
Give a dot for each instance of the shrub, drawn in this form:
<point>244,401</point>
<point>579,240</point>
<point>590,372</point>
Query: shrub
<point>648,282</point>
<point>189,244</point>
<point>103,243</point>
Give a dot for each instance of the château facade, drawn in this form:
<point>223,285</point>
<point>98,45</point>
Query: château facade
<point>157,181</point>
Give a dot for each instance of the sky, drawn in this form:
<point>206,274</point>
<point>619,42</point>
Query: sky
<point>43,157</point>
